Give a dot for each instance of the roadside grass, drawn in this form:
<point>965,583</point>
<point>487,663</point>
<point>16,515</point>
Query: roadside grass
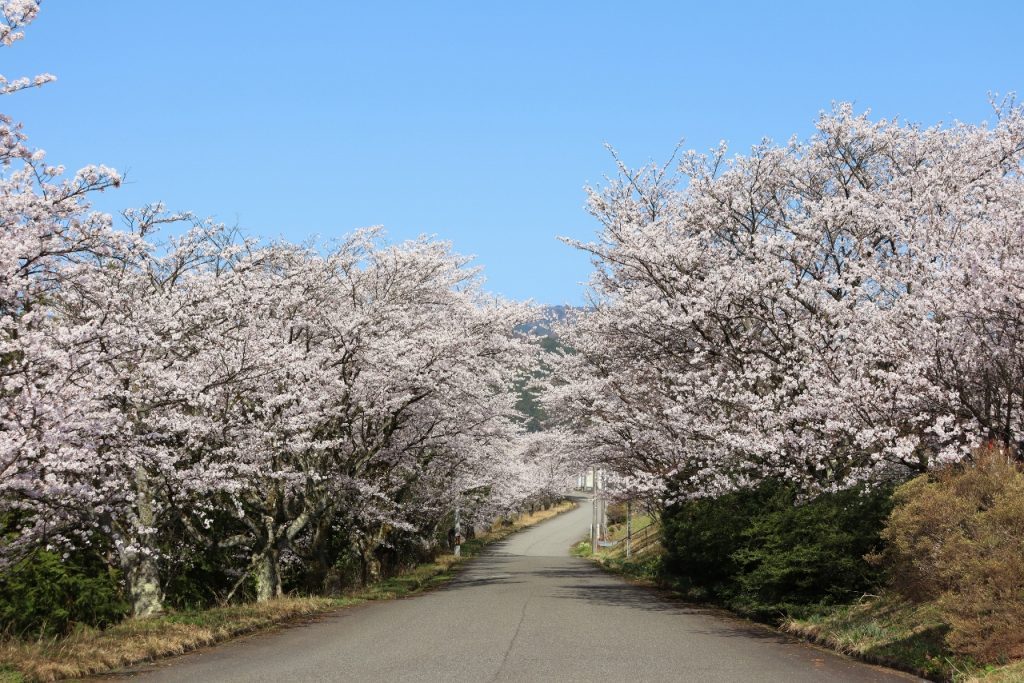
<point>1011,673</point>
<point>89,651</point>
<point>886,630</point>
<point>645,561</point>
<point>890,631</point>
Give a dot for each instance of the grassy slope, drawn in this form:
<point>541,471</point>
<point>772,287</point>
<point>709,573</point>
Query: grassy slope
<point>890,631</point>
<point>91,651</point>
<point>885,630</point>
<point>882,630</point>
<point>646,550</point>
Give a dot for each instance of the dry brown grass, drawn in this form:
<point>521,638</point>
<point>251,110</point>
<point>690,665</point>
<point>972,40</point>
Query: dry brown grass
<point>528,520</point>
<point>93,651</point>
<point>893,631</point>
<point>955,540</point>
<point>90,651</point>
<point>957,565</point>
<point>885,630</point>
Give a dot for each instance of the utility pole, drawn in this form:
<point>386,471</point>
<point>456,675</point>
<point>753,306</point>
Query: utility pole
<point>629,529</point>
<point>593,511</point>
<point>458,531</point>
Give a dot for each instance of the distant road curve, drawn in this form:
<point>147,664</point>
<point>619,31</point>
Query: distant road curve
<point>525,611</point>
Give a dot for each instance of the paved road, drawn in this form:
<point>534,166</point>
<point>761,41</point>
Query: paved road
<point>524,612</point>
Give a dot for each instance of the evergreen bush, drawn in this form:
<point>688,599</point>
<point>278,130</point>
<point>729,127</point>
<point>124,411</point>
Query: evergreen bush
<point>44,594</point>
<point>766,553</point>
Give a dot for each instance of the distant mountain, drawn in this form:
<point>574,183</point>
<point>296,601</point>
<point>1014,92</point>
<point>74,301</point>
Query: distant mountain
<point>528,406</point>
<point>550,315</point>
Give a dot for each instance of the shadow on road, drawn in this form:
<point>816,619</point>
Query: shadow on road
<point>478,581</point>
<point>578,580</point>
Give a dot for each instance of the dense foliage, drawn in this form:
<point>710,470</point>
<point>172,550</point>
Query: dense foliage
<point>761,553</point>
<point>47,594</point>
<point>843,309</point>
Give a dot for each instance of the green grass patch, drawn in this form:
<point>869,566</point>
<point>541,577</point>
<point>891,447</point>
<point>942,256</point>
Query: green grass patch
<point>420,578</point>
<point>9,675</point>
<point>1010,673</point>
<point>581,549</point>
<point>644,563</point>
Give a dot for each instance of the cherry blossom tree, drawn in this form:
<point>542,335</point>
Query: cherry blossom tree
<point>47,233</point>
<point>15,15</point>
<point>828,311</point>
<point>383,368</point>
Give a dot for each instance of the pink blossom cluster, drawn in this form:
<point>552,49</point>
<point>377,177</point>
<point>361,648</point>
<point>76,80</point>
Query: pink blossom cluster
<point>847,308</point>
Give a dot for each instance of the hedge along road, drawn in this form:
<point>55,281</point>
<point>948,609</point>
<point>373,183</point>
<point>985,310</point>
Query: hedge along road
<point>524,611</point>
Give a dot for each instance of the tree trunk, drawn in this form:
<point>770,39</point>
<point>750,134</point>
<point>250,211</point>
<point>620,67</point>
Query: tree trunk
<point>268,575</point>
<point>138,558</point>
<point>371,564</point>
<point>143,577</point>
<point>268,563</point>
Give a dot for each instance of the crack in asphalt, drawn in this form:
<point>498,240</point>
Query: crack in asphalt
<point>512,641</point>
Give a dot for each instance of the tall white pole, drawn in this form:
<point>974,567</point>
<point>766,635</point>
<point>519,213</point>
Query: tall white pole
<point>458,531</point>
<point>593,511</point>
<point>629,529</point>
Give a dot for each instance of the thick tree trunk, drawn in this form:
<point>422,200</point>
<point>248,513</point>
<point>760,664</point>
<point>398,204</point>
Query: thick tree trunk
<point>138,557</point>
<point>268,576</point>
<point>143,577</point>
<point>267,563</point>
<point>371,564</point>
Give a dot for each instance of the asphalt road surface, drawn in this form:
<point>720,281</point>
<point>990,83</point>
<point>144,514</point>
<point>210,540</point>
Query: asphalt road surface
<point>525,611</point>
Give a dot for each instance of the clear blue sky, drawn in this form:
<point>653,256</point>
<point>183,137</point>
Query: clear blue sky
<point>478,122</point>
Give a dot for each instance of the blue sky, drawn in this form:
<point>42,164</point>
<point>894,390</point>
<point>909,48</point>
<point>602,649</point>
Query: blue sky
<point>478,122</point>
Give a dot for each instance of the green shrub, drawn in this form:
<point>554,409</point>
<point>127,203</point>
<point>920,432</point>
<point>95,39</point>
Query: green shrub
<point>957,539</point>
<point>813,553</point>
<point>616,513</point>
<point>701,536</point>
<point>46,595</point>
<point>765,553</point>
